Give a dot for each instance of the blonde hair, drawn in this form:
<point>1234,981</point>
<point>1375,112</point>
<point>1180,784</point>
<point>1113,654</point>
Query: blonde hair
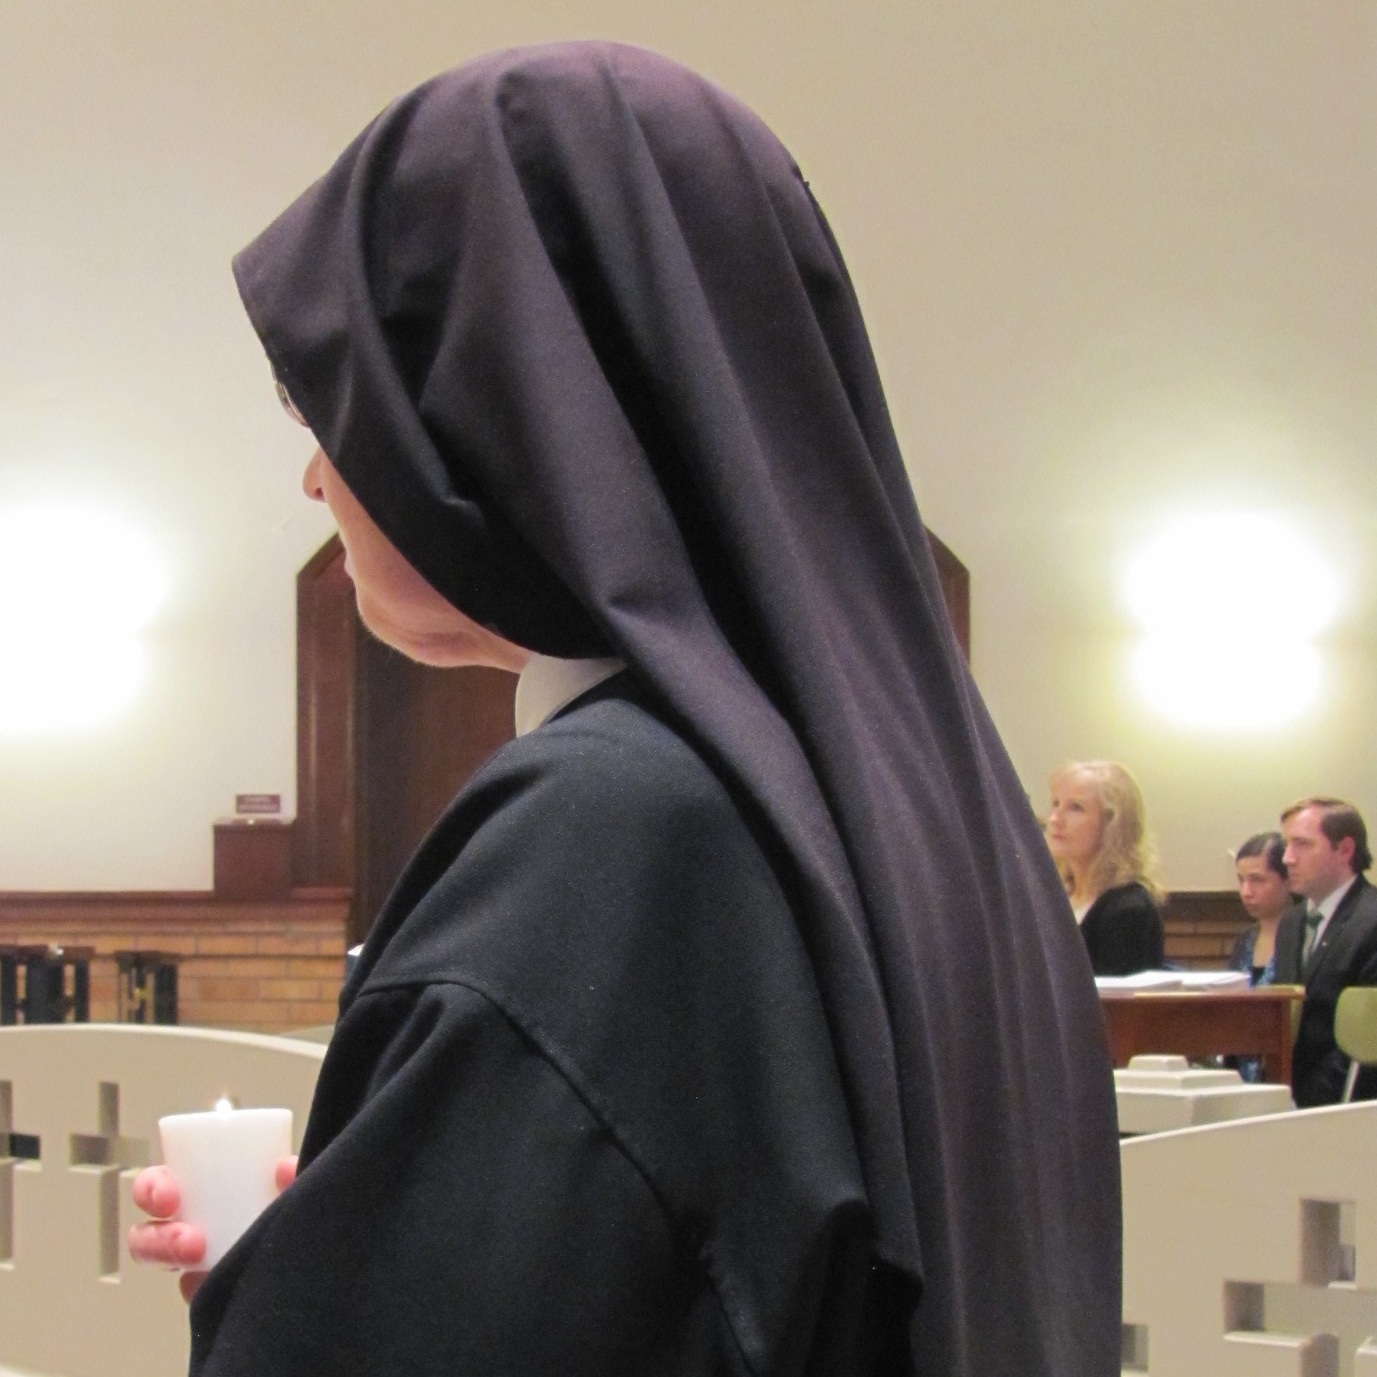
<point>1126,851</point>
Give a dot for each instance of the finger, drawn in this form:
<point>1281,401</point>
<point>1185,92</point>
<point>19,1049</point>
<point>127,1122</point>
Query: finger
<point>156,1192</point>
<point>167,1245</point>
<point>190,1282</point>
<point>160,1244</point>
<point>286,1172</point>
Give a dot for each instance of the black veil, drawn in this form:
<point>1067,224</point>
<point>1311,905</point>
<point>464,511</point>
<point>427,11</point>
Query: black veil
<point>572,328</point>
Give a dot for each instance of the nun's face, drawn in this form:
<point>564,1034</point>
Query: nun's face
<point>395,603</point>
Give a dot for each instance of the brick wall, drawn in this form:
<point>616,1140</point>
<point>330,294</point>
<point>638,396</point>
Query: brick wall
<point>1202,926</point>
<point>266,966</point>
<point>273,966</point>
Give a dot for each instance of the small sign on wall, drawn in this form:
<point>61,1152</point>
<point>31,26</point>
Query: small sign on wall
<point>257,805</point>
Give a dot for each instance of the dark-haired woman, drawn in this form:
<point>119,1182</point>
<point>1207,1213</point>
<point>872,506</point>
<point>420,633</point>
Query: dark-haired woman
<point>1265,894</point>
<point>695,1039</point>
<point>1260,867</point>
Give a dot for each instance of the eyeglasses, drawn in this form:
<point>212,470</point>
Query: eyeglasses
<point>285,397</point>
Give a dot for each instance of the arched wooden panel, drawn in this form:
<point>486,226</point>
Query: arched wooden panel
<point>327,635</point>
<point>956,591</point>
<point>383,743</point>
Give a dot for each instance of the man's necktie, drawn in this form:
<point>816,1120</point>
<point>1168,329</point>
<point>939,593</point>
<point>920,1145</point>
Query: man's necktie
<point>1312,926</point>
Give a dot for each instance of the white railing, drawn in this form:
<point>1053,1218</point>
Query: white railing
<point>1250,1248</point>
<point>79,1105</point>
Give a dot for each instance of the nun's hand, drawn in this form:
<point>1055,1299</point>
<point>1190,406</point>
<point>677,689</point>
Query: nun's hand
<point>167,1241</point>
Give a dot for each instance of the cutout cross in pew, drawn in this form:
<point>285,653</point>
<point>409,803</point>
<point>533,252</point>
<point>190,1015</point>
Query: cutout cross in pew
<point>108,1153</point>
<point>14,1148</point>
<point>1325,1310</point>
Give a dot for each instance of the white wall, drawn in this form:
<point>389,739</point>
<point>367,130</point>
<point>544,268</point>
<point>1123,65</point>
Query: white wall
<point>1116,260</point>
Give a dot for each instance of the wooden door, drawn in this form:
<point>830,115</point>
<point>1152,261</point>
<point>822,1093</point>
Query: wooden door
<point>383,744</point>
<point>419,734</point>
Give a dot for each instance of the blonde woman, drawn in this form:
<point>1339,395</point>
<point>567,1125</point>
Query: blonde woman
<point>1098,837</point>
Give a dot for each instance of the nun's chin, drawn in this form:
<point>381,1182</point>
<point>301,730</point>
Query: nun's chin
<point>441,643</point>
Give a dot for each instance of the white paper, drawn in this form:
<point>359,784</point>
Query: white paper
<point>1143,980</point>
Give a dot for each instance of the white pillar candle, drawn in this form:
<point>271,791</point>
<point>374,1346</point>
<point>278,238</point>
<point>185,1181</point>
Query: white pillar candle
<point>225,1162</point>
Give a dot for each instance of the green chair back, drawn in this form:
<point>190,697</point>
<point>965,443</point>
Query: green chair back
<point>1355,1023</point>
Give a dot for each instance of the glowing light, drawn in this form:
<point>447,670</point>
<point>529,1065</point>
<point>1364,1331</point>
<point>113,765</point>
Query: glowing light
<point>1206,571</point>
<point>1231,605</point>
<point>76,590</point>
<point>1215,684</point>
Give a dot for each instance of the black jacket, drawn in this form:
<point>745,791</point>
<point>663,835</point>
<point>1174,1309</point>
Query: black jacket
<point>1286,967</point>
<point>1123,931</point>
<point>580,1114</point>
<point>1346,955</point>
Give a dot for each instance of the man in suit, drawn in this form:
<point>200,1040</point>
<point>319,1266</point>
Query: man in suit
<point>1331,943</point>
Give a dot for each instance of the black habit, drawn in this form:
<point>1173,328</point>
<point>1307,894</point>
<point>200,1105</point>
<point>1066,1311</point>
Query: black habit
<point>736,1021</point>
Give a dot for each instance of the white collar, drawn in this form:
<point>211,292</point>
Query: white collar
<point>1325,908</point>
<point>546,685</point>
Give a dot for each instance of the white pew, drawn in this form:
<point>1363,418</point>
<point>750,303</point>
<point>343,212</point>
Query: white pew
<point>71,1302</point>
<point>1250,1248</point>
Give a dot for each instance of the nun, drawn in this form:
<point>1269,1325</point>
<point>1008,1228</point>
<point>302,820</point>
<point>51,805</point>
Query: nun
<point>732,1019</point>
